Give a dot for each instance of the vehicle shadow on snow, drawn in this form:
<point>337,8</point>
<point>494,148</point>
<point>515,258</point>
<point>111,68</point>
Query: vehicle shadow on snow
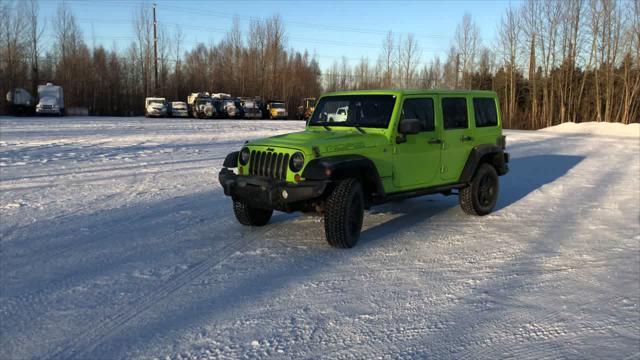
<point>529,173</point>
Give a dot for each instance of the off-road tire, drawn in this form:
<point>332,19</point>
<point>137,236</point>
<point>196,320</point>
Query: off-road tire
<point>480,197</point>
<point>343,214</point>
<point>251,216</point>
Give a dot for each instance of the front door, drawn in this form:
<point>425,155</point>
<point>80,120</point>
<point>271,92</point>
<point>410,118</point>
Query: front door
<point>417,160</point>
<point>457,138</point>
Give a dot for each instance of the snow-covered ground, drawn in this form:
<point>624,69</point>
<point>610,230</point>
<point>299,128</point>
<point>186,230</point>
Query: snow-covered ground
<point>117,242</point>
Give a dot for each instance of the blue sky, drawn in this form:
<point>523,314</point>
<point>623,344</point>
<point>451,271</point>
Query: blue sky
<point>330,29</point>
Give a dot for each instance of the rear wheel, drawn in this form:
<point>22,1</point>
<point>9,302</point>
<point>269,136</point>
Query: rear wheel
<point>251,216</point>
<point>343,215</point>
<point>480,197</point>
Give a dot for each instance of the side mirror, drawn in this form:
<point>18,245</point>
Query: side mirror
<point>409,126</point>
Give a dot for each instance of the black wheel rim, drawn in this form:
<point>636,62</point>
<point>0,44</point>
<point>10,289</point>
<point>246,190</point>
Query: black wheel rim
<point>353,221</point>
<point>486,190</point>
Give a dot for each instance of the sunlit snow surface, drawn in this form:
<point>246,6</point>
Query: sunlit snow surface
<point>117,242</point>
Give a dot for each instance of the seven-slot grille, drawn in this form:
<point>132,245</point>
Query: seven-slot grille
<point>269,164</point>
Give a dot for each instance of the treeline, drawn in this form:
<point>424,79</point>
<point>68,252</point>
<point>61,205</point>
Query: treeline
<point>112,82</point>
<point>553,61</point>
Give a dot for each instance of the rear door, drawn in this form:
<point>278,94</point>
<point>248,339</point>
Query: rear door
<point>457,135</point>
<point>417,161</point>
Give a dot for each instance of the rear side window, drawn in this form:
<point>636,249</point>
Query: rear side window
<point>454,113</point>
<point>485,112</point>
<point>421,109</point>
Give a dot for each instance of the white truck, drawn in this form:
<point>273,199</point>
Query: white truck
<point>155,106</point>
<point>50,100</point>
<point>340,115</point>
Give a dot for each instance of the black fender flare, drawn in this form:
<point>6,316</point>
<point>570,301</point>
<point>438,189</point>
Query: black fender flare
<point>346,166</point>
<point>495,154</point>
<point>231,161</point>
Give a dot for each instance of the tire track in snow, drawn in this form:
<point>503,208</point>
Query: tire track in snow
<point>94,335</point>
<point>33,302</point>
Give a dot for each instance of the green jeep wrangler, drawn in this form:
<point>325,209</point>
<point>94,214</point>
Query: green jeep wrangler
<point>364,148</point>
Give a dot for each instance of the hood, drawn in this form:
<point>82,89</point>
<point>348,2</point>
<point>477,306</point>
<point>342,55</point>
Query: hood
<point>327,141</point>
<point>48,100</point>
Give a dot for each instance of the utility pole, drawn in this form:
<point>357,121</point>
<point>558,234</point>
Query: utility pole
<point>155,50</point>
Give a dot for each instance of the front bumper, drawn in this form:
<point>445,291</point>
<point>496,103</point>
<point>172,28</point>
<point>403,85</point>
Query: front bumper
<point>268,193</point>
<point>158,113</point>
<point>47,110</point>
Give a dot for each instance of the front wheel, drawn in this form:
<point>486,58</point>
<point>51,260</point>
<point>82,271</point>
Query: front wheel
<point>480,197</point>
<point>343,214</point>
<point>250,216</point>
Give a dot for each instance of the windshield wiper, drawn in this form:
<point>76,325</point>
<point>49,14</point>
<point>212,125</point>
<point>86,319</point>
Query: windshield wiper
<point>359,129</point>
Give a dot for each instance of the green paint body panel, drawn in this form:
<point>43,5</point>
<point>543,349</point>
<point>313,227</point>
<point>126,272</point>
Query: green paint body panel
<point>413,164</point>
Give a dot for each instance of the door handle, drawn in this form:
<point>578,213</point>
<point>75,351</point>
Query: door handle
<point>466,138</point>
<point>435,141</point>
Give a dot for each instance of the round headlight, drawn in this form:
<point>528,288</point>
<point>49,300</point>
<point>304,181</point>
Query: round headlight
<point>296,162</point>
<point>245,154</point>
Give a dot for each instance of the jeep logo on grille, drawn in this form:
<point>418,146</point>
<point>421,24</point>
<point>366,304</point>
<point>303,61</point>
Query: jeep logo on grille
<point>269,149</point>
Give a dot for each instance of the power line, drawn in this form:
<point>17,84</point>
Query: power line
<point>306,24</point>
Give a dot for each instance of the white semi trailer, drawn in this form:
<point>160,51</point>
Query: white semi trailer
<point>20,102</point>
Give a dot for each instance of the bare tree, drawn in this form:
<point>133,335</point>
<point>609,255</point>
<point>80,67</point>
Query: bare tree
<point>35,31</point>
<point>409,54</point>
<point>387,60</point>
<point>13,43</point>
<point>178,38</point>
<point>143,28</point>
<point>508,38</point>
<point>467,41</point>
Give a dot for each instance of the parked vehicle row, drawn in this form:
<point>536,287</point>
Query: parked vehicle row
<point>50,101</point>
<point>205,105</point>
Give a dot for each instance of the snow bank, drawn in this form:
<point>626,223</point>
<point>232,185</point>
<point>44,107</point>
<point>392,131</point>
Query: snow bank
<point>597,128</point>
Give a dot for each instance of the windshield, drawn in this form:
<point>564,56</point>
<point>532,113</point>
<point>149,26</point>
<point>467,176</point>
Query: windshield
<point>159,102</point>
<point>179,105</point>
<point>354,110</point>
<point>277,105</point>
<point>311,102</point>
<point>52,92</point>
<point>204,102</point>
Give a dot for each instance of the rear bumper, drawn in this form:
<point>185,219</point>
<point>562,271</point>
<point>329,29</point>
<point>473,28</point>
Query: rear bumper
<point>267,193</point>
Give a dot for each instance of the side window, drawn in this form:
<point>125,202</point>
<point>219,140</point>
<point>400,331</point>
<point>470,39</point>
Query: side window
<point>454,113</point>
<point>485,112</point>
<point>421,109</point>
